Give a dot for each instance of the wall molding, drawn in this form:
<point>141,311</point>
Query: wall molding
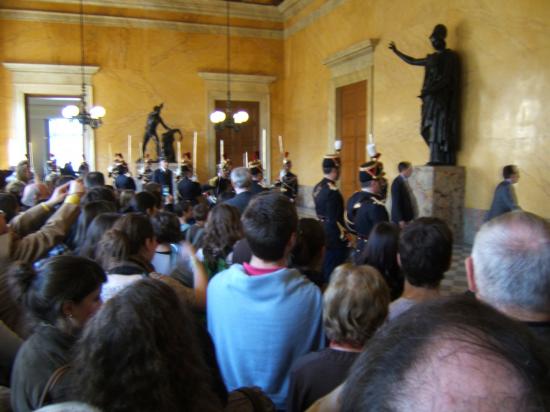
<point>46,79</point>
<point>244,87</point>
<point>311,18</point>
<point>203,7</point>
<point>136,23</point>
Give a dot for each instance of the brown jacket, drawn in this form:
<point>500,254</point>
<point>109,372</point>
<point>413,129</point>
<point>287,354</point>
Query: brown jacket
<point>29,239</point>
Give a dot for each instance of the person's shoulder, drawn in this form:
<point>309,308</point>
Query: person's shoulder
<point>227,276</point>
<point>305,362</point>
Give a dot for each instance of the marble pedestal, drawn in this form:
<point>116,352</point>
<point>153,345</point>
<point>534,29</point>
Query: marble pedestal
<point>439,192</point>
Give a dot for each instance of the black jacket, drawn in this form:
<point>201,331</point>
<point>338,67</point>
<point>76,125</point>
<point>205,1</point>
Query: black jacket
<point>401,202</point>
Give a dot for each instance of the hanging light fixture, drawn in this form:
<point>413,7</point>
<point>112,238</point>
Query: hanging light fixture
<point>228,119</point>
<point>79,112</point>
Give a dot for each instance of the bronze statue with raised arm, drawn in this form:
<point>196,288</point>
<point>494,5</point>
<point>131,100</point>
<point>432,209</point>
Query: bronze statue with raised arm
<point>440,98</point>
<point>153,120</point>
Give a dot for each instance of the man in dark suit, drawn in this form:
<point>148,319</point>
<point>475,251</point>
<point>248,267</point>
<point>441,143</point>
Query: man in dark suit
<point>402,209</point>
<point>365,208</point>
<point>257,174</point>
<point>329,207</point>
<point>163,176</point>
<point>241,181</point>
<point>188,189</point>
<point>505,200</point>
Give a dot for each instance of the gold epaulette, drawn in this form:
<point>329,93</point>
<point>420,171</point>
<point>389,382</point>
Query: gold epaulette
<point>213,181</point>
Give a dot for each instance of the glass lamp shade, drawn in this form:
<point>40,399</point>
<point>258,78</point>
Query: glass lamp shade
<point>70,111</point>
<point>97,112</point>
<point>240,117</point>
<point>217,117</point>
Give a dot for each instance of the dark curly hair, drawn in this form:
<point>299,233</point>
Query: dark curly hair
<point>140,353</point>
<point>166,226</point>
<point>223,229</point>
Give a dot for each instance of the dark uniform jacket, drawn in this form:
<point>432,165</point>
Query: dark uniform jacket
<point>289,185</point>
<point>401,202</point>
<point>504,200</point>
<point>329,206</point>
<point>256,188</point>
<point>240,201</point>
<point>363,211</point>
<point>221,188</point>
<point>189,190</point>
<point>163,178</point>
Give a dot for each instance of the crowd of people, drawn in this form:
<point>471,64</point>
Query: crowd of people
<point>219,297</point>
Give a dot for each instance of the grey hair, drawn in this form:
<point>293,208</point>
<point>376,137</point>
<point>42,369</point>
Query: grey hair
<point>511,256</point>
<point>240,177</point>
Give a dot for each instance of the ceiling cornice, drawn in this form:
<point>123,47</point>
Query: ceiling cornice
<point>136,23</point>
<point>204,7</point>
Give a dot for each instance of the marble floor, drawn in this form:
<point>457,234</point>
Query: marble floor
<point>455,281</point>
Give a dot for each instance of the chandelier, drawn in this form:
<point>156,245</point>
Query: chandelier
<point>79,112</point>
<point>227,119</point>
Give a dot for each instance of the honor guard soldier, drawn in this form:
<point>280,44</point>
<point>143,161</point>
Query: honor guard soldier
<point>257,173</point>
<point>329,206</point>
<point>188,189</point>
<point>220,185</point>
<point>366,208</point>
<point>146,172</point>
<point>288,181</point>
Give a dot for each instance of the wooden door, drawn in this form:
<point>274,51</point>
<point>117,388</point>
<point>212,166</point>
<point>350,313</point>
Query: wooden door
<point>352,129</point>
<point>247,139</point>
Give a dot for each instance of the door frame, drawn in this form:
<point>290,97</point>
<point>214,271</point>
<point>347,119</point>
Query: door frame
<point>49,80</point>
<point>245,87</point>
<point>348,66</point>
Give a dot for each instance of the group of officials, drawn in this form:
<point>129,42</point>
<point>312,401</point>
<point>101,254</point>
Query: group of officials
<point>366,207</point>
<point>347,225</point>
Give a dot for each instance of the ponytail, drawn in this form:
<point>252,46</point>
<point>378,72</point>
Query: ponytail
<point>21,277</point>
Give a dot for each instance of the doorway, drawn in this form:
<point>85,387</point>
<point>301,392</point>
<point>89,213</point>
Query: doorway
<point>49,132</point>
<point>351,123</point>
<point>246,140</point>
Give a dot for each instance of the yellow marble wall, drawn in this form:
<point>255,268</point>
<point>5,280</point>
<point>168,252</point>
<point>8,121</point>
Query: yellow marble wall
<point>506,81</point>
<point>139,68</point>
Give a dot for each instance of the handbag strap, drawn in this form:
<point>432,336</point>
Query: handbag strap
<point>52,381</point>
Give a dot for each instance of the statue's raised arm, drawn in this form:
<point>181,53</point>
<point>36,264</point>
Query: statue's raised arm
<point>406,58</point>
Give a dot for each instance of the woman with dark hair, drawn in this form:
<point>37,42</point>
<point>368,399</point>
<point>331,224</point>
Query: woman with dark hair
<point>223,229</point>
<point>166,226</point>
<point>307,255</point>
<point>126,251</point>
<point>61,298</point>
<point>87,213</point>
<point>100,224</point>
<point>163,370</point>
<point>381,253</point>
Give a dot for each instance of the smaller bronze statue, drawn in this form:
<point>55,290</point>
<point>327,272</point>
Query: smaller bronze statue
<point>153,120</point>
<point>168,144</point>
<point>440,92</point>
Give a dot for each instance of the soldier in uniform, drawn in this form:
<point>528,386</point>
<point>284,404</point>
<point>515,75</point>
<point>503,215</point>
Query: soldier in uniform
<point>329,206</point>
<point>188,189</point>
<point>366,208</point>
<point>288,181</point>
<point>146,173</point>
<point>163,176</point>
<point>220,185</point>
<point>257,173</point>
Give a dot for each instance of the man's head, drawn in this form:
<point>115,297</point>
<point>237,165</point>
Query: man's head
<point>425,251</point>
<point>331,167</point>
<point>240,178</point>
<point>94,179</point>
<point>405,169</point>
<point>163,163</point>
<point>269,224</point>
<point>368,176</point>
<point>510,264</point>
<point>452,354</point>
<point>510,172</point>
